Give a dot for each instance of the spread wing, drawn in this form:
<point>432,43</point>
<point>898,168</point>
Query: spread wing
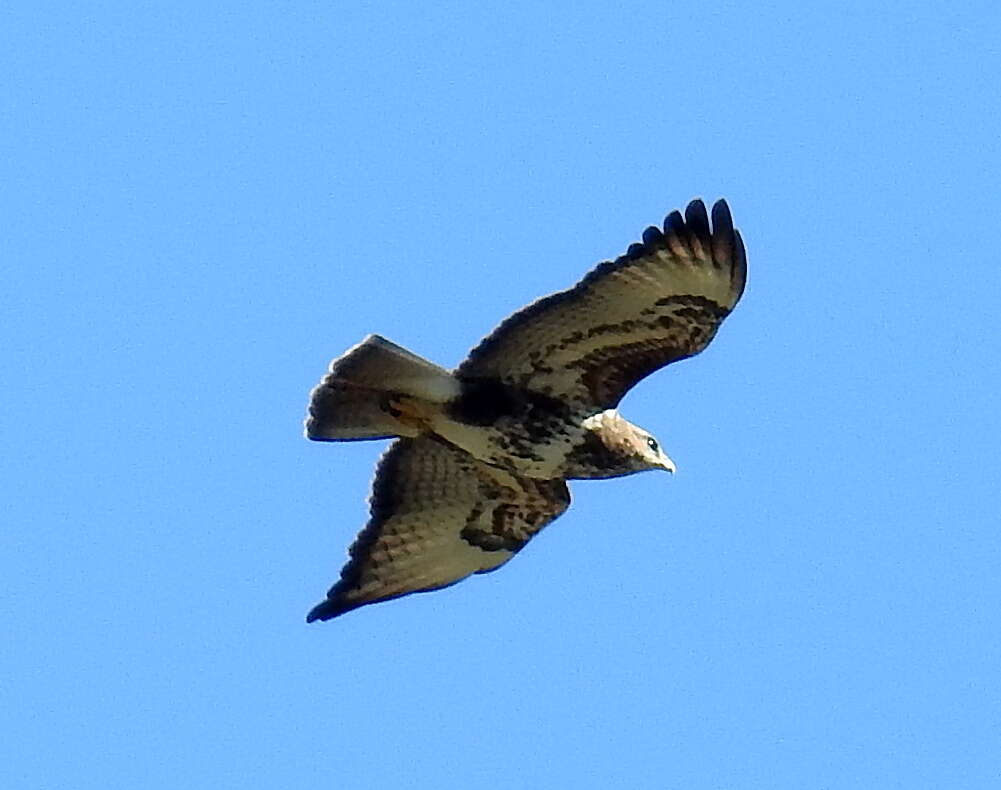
<point>660,302</point>
<point>438,516</point>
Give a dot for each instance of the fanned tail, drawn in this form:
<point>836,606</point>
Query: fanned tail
<point>355,399</point>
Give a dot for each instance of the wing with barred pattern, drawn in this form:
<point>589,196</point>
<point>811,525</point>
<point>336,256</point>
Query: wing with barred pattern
<point>661,302</point>
<point>438,516</point>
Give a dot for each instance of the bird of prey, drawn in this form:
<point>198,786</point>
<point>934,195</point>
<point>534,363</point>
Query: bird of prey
<point>482,454</point>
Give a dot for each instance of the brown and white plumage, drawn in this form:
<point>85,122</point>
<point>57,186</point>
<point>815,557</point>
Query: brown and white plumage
<point>660,302</point>
<point>490,446</point>
<point>438,516</point>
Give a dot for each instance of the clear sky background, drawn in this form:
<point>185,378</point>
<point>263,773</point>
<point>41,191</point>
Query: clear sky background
<point>201,206</point>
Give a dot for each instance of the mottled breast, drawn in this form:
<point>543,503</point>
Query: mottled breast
<point>525,432</point>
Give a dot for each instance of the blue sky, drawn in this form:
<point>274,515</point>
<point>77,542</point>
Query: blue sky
<point>202,206</point>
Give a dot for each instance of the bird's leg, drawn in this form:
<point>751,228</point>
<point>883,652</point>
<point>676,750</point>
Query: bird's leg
<point>407,410</point>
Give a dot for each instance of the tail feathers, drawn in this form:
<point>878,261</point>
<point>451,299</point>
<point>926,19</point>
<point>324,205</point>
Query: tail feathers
<point>353,399</point>
<point>339,411</point>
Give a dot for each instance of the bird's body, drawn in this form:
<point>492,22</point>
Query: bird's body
<point>485,450</point>
<point>525,432</point>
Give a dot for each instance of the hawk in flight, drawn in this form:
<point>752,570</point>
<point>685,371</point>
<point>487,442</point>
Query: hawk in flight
<point>484,452</point>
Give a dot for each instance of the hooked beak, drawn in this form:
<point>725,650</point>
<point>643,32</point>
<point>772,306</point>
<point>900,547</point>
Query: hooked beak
<point>668,465</point>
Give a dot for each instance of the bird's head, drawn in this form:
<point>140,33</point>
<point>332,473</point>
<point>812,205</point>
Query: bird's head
<point>634,448</point>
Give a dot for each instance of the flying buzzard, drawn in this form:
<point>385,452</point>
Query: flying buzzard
<point>485,451</point>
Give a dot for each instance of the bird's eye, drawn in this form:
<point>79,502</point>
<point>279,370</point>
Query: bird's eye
<point>652,444</point>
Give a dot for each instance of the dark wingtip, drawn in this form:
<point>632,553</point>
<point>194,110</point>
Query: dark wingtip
<point>728,247</point>
<point>636,250</point>
<point>311,428</point>
<point>674,223</point>
<point>327,610</point>
<point>317,613</point>
<point>739,265</point>
<point>697,219</point>
<point>722,219</point>
<point>652,236</point>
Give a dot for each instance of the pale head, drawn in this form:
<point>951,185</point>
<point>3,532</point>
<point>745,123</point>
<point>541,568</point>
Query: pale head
<point>635,449</point>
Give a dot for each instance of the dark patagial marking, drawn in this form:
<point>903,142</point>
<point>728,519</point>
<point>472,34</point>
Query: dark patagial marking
<point>608,373</point>
<point>512,526</point>
<point>509,530</point>
<point>502,535</point>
